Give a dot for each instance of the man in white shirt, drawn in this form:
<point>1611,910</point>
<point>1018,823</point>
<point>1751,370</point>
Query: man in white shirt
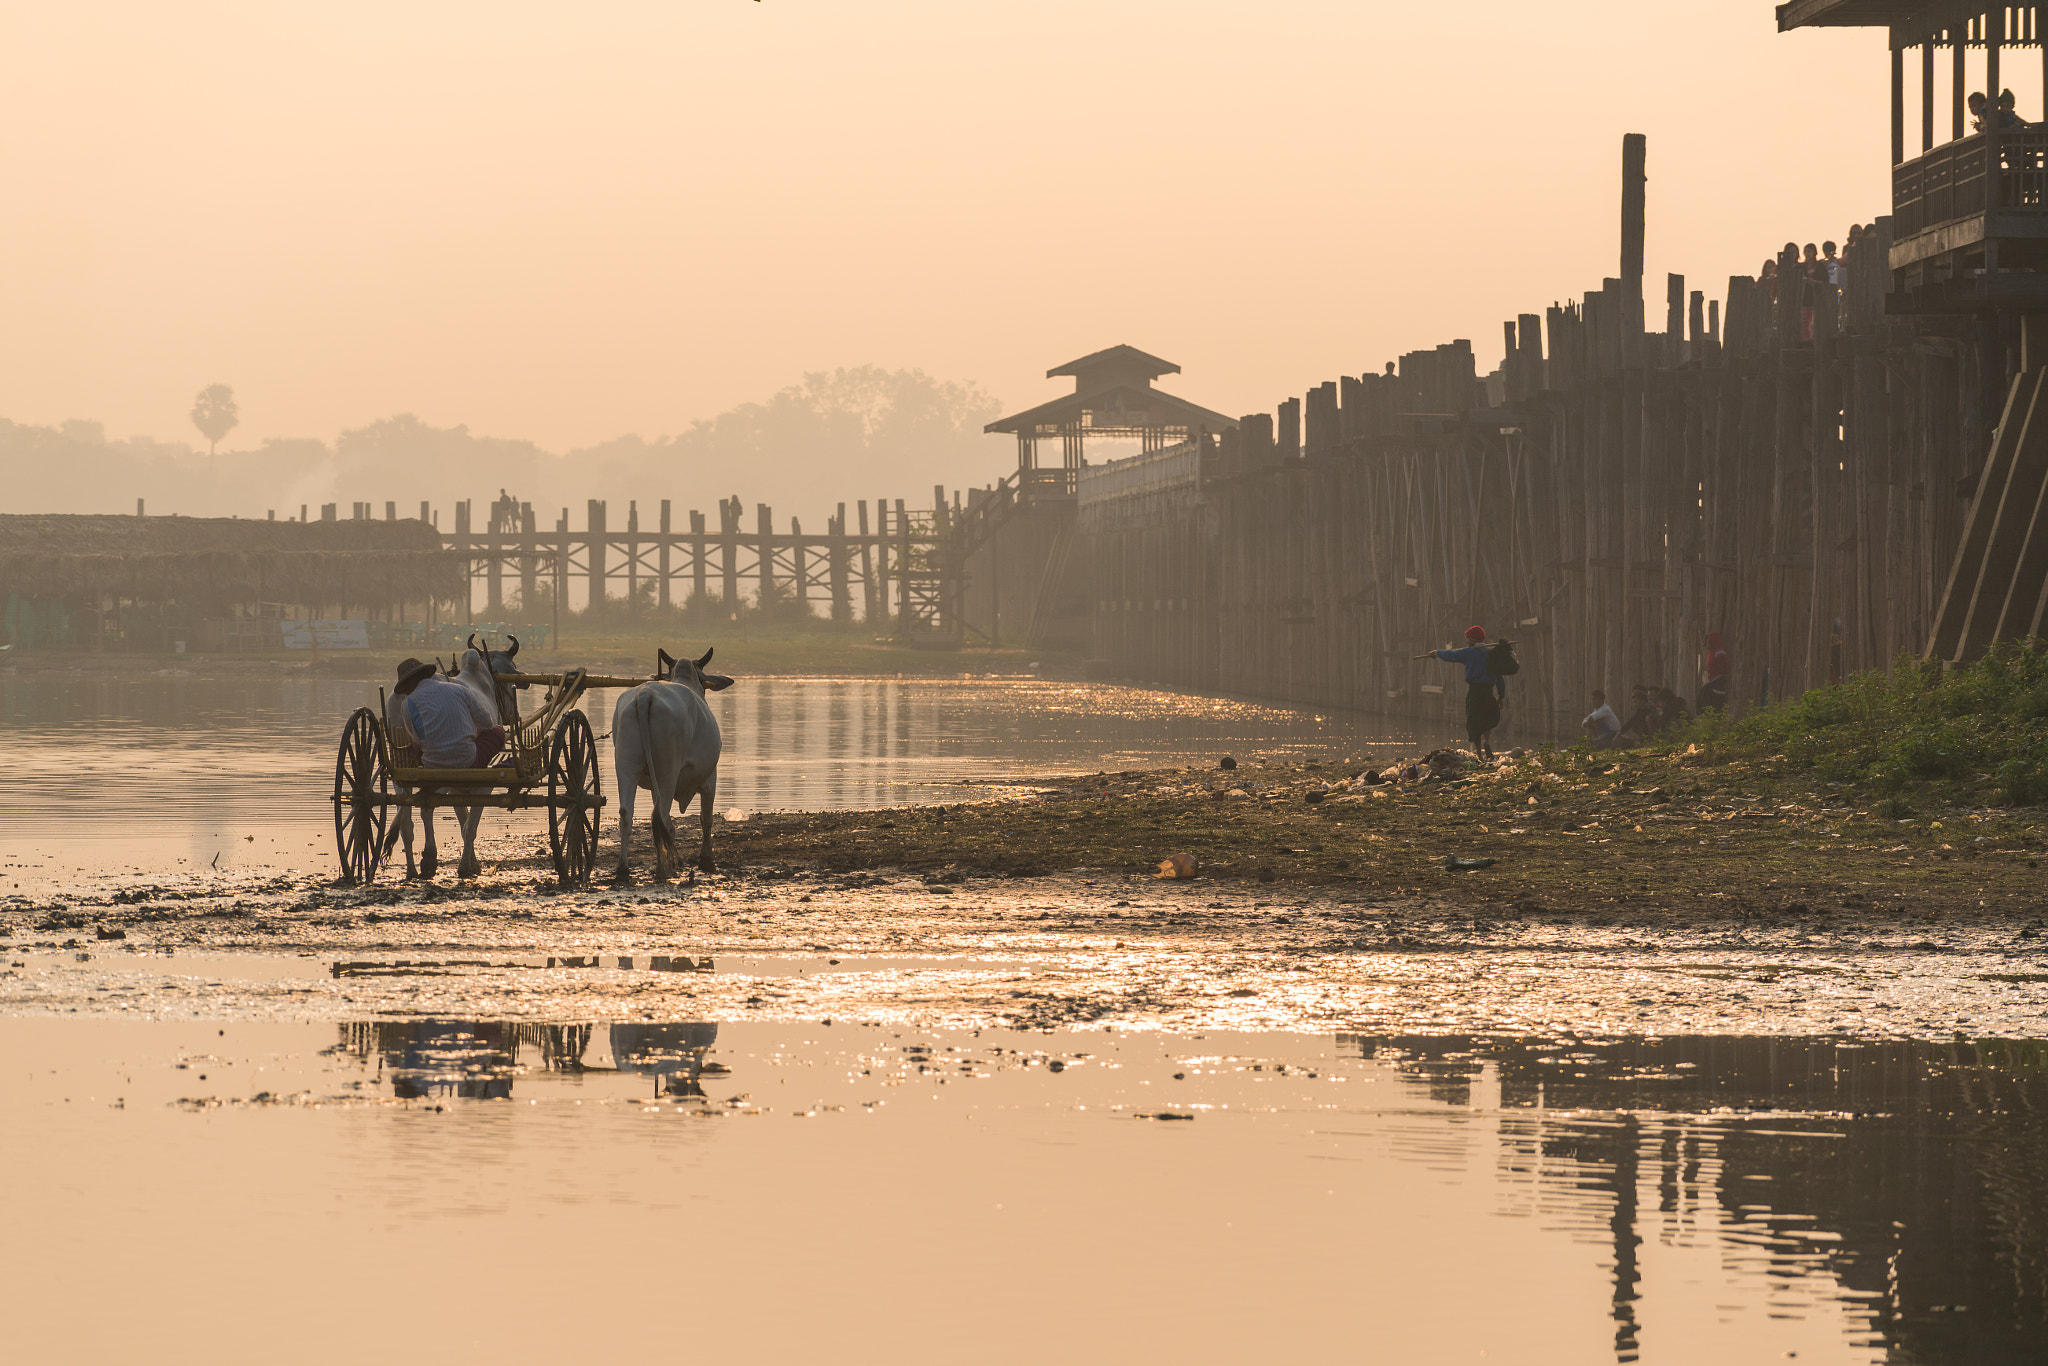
<point>1603,725</point>
<point>454,729</point>
<point>451,725</point>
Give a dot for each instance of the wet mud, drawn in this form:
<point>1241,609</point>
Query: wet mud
<point>952,946</point>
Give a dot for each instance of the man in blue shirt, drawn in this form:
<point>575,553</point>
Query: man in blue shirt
<point>1484,691</point>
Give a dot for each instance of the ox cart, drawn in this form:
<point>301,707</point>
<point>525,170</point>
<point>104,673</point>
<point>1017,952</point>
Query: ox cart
<point>549,760</point>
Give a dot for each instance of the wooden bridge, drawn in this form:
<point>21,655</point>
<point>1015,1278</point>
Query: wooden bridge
<point>893,563</point>
<point>1794,472</point>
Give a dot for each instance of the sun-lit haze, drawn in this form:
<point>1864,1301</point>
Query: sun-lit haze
<point>563,224</point>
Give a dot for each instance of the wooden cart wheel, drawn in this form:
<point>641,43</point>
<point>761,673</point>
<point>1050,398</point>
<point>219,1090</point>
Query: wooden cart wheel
<point>362,798</point>
<point>575,797</point>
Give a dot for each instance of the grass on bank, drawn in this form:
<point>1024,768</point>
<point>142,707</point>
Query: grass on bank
<point>1918,734</point>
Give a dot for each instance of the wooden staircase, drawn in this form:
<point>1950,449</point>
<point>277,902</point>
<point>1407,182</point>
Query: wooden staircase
<point>1998,585</point>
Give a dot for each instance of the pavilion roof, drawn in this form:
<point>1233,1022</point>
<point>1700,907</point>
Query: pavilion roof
<point>1922,14</point>
<point>1126,360</point>
<point>1114,398</point>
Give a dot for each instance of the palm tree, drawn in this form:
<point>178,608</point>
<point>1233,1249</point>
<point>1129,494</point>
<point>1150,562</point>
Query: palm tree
<point>215,415</point>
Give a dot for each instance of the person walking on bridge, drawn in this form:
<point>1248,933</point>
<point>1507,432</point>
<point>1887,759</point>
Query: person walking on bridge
<point>1485,689</point>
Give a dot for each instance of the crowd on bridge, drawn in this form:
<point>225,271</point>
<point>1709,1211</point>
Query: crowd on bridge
<point>1821,269</point>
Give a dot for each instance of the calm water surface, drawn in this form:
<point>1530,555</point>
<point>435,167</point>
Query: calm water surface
<point>880,1194</point>
<point>153,770</point>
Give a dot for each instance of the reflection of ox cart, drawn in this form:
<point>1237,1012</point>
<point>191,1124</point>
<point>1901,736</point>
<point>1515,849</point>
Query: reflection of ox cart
<point>550,760</point>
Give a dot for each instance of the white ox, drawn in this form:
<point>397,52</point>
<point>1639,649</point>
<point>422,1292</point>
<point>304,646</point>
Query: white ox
<point>478,671</point>
<point>665,739</point>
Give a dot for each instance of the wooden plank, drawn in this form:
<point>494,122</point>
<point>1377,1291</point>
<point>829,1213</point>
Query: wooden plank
<point>836,550</point>
<point>662,565</point>
<point>700,592</point>
<point>1966,574</point>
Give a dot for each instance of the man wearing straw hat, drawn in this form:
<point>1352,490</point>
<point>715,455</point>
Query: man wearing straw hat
<point>453,729</point>
<point>446,720</point>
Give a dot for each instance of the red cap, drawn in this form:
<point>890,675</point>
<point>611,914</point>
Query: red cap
<point>1475,634</point>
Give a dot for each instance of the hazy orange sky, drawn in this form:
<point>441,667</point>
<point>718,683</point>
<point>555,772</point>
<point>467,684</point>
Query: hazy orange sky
<point>566,221</point>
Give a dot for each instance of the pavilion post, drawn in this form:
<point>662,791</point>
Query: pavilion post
<point>1927,95</point>
<point>1994,30</point>
<point>1898,104</point>
<point>1959,81</point>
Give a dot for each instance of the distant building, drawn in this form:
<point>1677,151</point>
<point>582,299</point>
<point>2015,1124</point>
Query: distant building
<point>142,582</point>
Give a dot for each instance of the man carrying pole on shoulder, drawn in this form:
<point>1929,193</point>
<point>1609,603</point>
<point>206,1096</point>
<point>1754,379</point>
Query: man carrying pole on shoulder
<point>1485,688</point>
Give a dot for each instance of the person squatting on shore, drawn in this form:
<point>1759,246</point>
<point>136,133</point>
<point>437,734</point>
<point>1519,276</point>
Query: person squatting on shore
<point>1602,725</point>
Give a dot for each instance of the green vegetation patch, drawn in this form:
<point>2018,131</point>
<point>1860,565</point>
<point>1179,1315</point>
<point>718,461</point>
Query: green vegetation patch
<point>1974,731</point>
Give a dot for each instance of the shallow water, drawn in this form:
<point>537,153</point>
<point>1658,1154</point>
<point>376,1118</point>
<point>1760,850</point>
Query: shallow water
<point>543,1190</point>
<point>1083,1117</point>
<point>161,772</point>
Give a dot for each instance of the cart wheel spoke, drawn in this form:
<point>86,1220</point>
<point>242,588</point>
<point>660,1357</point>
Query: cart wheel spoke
<point>362,797</point>
<point>575,798</point>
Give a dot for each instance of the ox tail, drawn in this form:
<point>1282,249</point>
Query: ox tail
<point>643,712</point>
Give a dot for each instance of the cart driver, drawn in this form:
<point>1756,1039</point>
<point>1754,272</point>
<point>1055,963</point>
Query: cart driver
<point>452,725</point>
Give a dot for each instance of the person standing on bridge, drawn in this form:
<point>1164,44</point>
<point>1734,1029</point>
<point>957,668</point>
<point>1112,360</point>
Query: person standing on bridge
<point>1485,689</point>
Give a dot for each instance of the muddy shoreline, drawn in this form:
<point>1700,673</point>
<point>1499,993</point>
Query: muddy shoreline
<point>1799,921</point>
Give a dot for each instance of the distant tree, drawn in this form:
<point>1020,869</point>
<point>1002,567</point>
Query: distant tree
<point>215,415</point>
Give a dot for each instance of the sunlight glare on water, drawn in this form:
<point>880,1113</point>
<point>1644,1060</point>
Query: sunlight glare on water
<point>152,770</point>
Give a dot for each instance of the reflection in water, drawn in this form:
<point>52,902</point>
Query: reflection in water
<point>1900,1187</point>
<point>1907,1179</point>
<point>455,967</point>
<point>673,1054</point>
<point>159,768</point>
<point>472,1060</point>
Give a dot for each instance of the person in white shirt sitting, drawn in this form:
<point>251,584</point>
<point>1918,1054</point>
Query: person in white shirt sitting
<point>454,729</point>
<point>1603,725</point>
<point>450,723</point>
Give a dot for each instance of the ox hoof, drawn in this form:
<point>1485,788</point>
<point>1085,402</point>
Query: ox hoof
<point>429,866</point>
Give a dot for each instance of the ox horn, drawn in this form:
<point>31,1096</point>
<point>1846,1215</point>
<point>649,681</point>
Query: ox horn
<point>515,647</point>
<point>661,658</point>
<point>707,658</point>
<point>472,642</point>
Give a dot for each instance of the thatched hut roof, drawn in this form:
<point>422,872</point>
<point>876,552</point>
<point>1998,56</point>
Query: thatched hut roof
<point>222,560</point>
